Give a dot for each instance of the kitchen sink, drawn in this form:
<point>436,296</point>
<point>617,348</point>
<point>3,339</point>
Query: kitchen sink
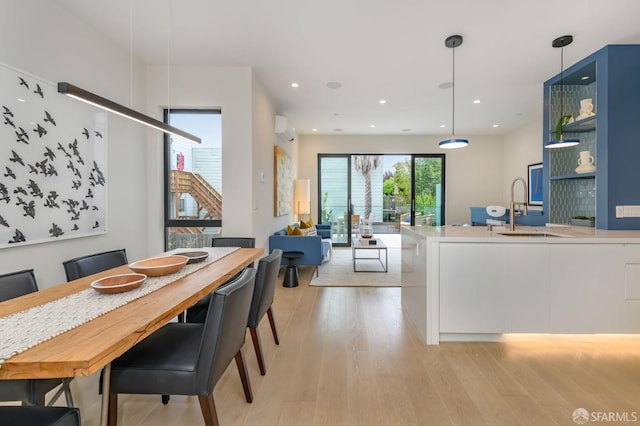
<point>518,233</point>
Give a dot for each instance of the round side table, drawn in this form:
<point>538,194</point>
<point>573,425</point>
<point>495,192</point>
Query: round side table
<point>291,273</point>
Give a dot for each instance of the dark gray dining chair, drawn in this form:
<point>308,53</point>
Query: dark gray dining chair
<point>190,358</point>
<point>197,312</point>
<point>39,416</point>
<point>29,391</point>
<point>266,278</point>
<point>93,263</point>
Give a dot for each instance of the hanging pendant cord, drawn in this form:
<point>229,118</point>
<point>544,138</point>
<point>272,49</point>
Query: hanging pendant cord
<point>169,61</point>
<point>561,90</point>
<point>131,54</point>
<point>453,95</point>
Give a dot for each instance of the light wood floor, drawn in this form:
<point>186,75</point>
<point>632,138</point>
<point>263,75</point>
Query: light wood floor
<point>348,356</point>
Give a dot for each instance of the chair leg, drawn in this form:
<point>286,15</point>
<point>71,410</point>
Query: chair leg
<point>181,316</point>
<point>208,408</point>
<point>255,337</point>
<point>274,329</point>
<point>64,388</point>
<point>112,415</point>
<point>241,363</point>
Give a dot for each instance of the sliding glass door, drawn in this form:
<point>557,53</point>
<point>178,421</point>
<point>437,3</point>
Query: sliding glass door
<point>334,193</point>
<point>428,190</point>
<point>390,190</point>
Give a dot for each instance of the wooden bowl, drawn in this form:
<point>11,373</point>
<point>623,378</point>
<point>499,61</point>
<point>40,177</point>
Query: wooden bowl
<point>158,266</point>
<point>366,236</point>
<point>194,256</point>
<point>118,283</point>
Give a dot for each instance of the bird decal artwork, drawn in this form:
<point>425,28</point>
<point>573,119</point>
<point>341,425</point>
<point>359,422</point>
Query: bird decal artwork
<point>9,173</point>
<point>30,210</point>
<point>48,118</point>
<point>18,237</point>
<point>50,154</point>
<point>15,158</point>
<point>40,130</point>
<point>22,136</point>
<point>34,189</point>
<point>8,121</point>
<point>43,178</point>
<point>55,230</point>
<point>39,91</point>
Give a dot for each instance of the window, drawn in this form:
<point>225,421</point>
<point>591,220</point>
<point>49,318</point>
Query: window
<point>193,179</point>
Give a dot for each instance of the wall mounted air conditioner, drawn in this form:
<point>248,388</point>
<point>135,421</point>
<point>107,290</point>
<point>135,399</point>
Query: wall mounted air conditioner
<point>284,129</point>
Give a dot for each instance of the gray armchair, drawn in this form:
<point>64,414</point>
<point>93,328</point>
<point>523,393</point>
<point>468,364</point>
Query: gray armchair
<point>190,358</point>
<point>198,311</point>
<point>266,278</point>
<point>39,416</point>
<point>94,263</point>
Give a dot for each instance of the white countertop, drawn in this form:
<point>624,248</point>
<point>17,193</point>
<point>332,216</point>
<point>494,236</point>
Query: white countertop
<point>560,234</point>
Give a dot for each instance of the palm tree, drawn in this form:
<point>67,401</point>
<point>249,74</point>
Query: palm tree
<point>365,164</point>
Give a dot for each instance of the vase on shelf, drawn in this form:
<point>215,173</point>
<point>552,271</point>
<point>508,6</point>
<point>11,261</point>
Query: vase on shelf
<point>586,109</point>
<point>585,163</point>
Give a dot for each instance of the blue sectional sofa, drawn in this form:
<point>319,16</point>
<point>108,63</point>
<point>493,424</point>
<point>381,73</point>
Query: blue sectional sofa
<point>316,248</point>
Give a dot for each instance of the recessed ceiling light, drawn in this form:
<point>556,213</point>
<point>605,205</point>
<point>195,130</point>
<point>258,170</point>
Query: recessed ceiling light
<point>295,85</point>
<point>372,126</point>
<point>334,85</point>
<point>382,101</point>
<point>443,125</point>
<point>314,130</point>
<point>20,100</point>
<point>496,125</point>
<point>476,101</point>
<point>586,77</point>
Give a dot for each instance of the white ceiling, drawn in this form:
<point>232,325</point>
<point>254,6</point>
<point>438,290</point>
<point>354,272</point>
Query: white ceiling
<point>376,49</point>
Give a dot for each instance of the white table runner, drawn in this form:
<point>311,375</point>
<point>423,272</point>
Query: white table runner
<point>26,329</point>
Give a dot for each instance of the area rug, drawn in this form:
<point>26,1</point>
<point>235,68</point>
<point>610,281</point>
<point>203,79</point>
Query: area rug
<point>338,272</point>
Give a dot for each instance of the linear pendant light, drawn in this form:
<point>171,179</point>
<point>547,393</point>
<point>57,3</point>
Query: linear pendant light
<point>453,42</point>
<point>100,102</point>
<point>560,141</point>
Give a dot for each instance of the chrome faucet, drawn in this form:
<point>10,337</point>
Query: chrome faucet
<point>512,215</point>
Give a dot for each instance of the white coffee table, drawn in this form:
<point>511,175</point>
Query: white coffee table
<point>363,244</point>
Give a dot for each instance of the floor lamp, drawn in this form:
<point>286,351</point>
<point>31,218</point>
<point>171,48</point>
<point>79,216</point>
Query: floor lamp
<point>302,197</point>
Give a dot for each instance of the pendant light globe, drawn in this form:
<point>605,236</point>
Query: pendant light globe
<point>452,42</point>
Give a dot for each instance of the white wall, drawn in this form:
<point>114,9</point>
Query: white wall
<point>49,43</point>
<point>264,139</point>
<point>521,148</point>
<point>474,175</point>
<point>227,88</point>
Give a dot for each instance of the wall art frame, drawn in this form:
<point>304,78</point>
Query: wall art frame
<point>53,176</point>
<point>283,182</point>
<point>535,182</point>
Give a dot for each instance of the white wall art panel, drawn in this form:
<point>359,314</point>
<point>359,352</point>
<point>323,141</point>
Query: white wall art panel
<point>53,169</point>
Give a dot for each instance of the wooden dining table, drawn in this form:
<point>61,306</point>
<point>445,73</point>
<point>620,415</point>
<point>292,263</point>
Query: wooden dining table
<point>86,349</point>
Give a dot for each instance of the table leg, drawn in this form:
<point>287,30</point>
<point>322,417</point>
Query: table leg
<point>290,276</point>
<point>106,388</point>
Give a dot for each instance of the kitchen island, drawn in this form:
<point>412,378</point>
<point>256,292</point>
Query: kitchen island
<point>475,284</point>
